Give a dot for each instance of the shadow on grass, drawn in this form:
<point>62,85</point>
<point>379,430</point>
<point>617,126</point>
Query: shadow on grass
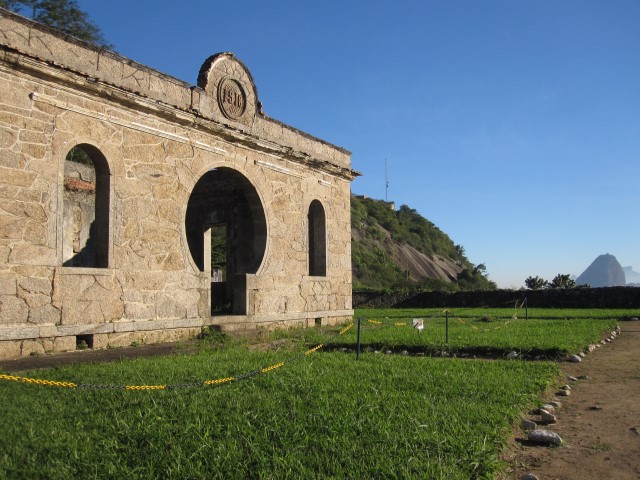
<point>445,351</point>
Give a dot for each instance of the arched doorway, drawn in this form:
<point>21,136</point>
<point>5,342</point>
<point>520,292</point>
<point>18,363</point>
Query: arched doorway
<point>227,235</point>
<point>85,237</point>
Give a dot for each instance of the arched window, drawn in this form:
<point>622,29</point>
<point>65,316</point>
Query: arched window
<point>85,229</point>
<point>317,240</point>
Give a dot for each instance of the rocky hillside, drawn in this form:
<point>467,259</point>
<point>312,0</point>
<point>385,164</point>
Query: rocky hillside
<point>605,271</point>
<point>401,249</point>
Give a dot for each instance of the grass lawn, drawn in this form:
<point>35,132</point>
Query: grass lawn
<point>323,416</point>
<point>547,332</point>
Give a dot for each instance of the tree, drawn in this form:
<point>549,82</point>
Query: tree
<point>64,15</point>
<point>536,283</point>
<point>562,281</point>
<point>10,5</point>
<point>481,269</point>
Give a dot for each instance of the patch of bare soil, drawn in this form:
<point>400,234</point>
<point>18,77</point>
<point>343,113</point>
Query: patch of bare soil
<point>90,356</point>
<point>599,422</point>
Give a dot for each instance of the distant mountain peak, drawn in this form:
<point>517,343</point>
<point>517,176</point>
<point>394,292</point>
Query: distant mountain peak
<point>631,276</point>
<point>604,271</point>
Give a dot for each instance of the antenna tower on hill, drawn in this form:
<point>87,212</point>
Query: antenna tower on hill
<point>386,182</point>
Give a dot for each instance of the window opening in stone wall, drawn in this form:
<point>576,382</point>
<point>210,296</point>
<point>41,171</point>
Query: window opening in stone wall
<point>220,301</point>
<point>317,240</point>
<point>227,235</point>
<point>218,253</point>
<point>86,208</point>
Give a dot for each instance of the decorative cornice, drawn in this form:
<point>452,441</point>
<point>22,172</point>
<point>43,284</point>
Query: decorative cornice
<point>77,81</point>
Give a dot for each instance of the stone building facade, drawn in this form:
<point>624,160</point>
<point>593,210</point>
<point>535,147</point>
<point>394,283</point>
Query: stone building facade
<point>137,208</point>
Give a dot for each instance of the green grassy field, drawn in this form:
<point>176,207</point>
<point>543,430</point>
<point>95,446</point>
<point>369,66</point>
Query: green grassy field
<point>547,332</point>
<point>325,415</point>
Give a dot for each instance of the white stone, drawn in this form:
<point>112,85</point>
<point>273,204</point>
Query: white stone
<point>529,476</point>
<point>547,417</point>
<point>528,425</point>
<point>545,437</point>
<point>512,355</point>
<point>574,358</point>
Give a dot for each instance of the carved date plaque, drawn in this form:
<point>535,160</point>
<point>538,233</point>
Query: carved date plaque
<point>231,98</point>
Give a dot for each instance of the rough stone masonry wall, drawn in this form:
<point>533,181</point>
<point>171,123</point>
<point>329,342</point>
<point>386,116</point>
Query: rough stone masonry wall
<point>159,136</point>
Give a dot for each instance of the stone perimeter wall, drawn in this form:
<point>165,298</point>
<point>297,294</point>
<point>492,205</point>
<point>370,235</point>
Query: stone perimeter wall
<point>159,137</point>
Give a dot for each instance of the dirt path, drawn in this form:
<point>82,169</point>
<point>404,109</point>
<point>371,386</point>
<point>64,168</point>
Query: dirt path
<point>599,422</point>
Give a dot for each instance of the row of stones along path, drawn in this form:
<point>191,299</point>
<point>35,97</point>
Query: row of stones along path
<point>599,422</point>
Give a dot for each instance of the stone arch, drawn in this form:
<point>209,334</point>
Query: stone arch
<point>226,231</point>
<point>317,238</point>
<point>86,204</point>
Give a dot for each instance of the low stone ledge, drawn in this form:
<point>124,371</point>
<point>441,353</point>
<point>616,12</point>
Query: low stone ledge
<point>123,326</point>
<point>66,330</point>
<point>163,324</point>
<point>85,271</point>
<point>48,331</point>
<point>19,333</point>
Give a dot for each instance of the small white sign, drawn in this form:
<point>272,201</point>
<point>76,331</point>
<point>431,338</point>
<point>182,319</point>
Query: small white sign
<point>418,323</point>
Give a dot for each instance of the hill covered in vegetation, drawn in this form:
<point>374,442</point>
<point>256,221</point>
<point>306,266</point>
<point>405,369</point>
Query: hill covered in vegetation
<point>400,249</point>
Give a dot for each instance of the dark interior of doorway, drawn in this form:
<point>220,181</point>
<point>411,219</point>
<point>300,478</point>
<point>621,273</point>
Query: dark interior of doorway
<point>225,212</point>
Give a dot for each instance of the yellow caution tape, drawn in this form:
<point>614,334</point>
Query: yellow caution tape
<point>272,367</point>
<point>218,381</point>
<point>145,387</point>
<point>314,349</point>
<point>37,381</point>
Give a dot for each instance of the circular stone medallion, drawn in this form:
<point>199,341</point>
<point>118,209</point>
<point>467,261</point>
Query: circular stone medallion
<point>231,98</point>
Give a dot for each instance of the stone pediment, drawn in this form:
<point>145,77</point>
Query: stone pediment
<point>227,90</point>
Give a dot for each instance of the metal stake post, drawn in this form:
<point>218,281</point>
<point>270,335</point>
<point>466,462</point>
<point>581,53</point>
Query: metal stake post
<point>358,347</point>
<point>447,327</point>
<point>526,309</point>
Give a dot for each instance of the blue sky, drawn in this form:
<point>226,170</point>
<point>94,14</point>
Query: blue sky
<point>514,126</point>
